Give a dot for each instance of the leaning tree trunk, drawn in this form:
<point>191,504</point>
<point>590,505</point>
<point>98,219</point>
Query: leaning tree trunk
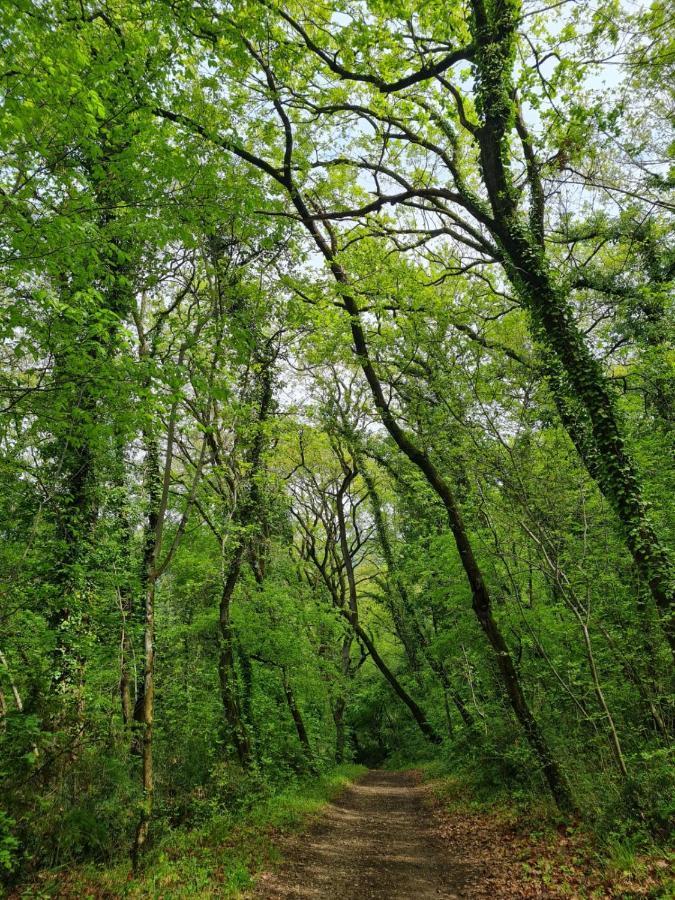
<point>599,437</point>
<point>410,632</point>
<point>296,715</point>
<point>399,611</point>
<point>416,711</point>
<point>481,598</point>
<point>352,616</point>
<point>481,601</point>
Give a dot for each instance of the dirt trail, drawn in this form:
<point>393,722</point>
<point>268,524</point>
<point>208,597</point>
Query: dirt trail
<point>376,840</point>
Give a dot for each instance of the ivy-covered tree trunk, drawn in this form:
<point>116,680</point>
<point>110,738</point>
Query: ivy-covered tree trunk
<point>246,515</point>
<point>246,705</point>
<point>124,584</point>
<point>481,600</point>
<point>338,703</point>
<point>482,605</point>
<point>602,445</point>
<point>226,669</point>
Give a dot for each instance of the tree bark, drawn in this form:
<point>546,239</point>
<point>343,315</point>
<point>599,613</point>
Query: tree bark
<point>338,711</point>
<point>147,718</point>
<point>249,507</point>
<point>296,716</point>
<point>481,601</point>
<point>226,667</point>
<point>352,616</point>
<point>399,611</point>
<point>416,712</point>
<point>481,598</point>
<point>410,632</point>
<point>598,435</point>
<point>158,493</point>
<point>145,701</point>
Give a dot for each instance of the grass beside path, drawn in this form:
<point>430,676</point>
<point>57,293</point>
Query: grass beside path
<point>219,859</point>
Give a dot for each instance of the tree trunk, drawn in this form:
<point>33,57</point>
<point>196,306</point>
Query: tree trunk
<point>338,710</point>
<point>597,435</point>
<point>352,616</point>
<point>600,695</point>
<point>246,704</point>
<point>414,636</point>
<point>481,601</point>
<point>448,690</point>
<point>448,717</point>
<point>398,611</point>
<point>226,668</point>
<point>481,598</point>
<point>125,677</point>
<point>124,588</point>
<point>297,717</point>
<point>416,712</point>
<point>145,701</point>
<point>248,510</point>
<point>147,713</point>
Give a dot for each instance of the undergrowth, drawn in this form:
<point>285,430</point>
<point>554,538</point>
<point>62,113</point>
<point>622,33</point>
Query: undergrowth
<point>217,859</point>
<point>578,855</point>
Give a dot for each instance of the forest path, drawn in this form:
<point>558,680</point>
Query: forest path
<point>377,839</point>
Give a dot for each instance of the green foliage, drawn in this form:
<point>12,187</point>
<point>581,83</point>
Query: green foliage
<point>220,857</point>
<point>262,273</point>
<point>9,844</point>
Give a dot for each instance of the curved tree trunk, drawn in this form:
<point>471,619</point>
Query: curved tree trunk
<point>352,616</point>
<point>481,597</point>
<point>416,711</point>
<point>410,631</point>
<point>596,432</point>
<point>481,600</point>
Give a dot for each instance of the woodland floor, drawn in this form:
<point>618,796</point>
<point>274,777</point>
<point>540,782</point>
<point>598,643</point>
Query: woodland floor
<point>380,838</point>
<point>387,836</point>
<point>376,840</point>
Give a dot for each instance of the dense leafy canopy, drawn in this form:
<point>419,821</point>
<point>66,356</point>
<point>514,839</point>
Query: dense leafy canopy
<point>336,407</point>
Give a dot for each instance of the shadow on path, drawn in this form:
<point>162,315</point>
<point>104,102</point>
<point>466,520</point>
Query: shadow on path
<point>375,840</point>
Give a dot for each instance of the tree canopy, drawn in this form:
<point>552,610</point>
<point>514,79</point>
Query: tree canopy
<point>336,390</point>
